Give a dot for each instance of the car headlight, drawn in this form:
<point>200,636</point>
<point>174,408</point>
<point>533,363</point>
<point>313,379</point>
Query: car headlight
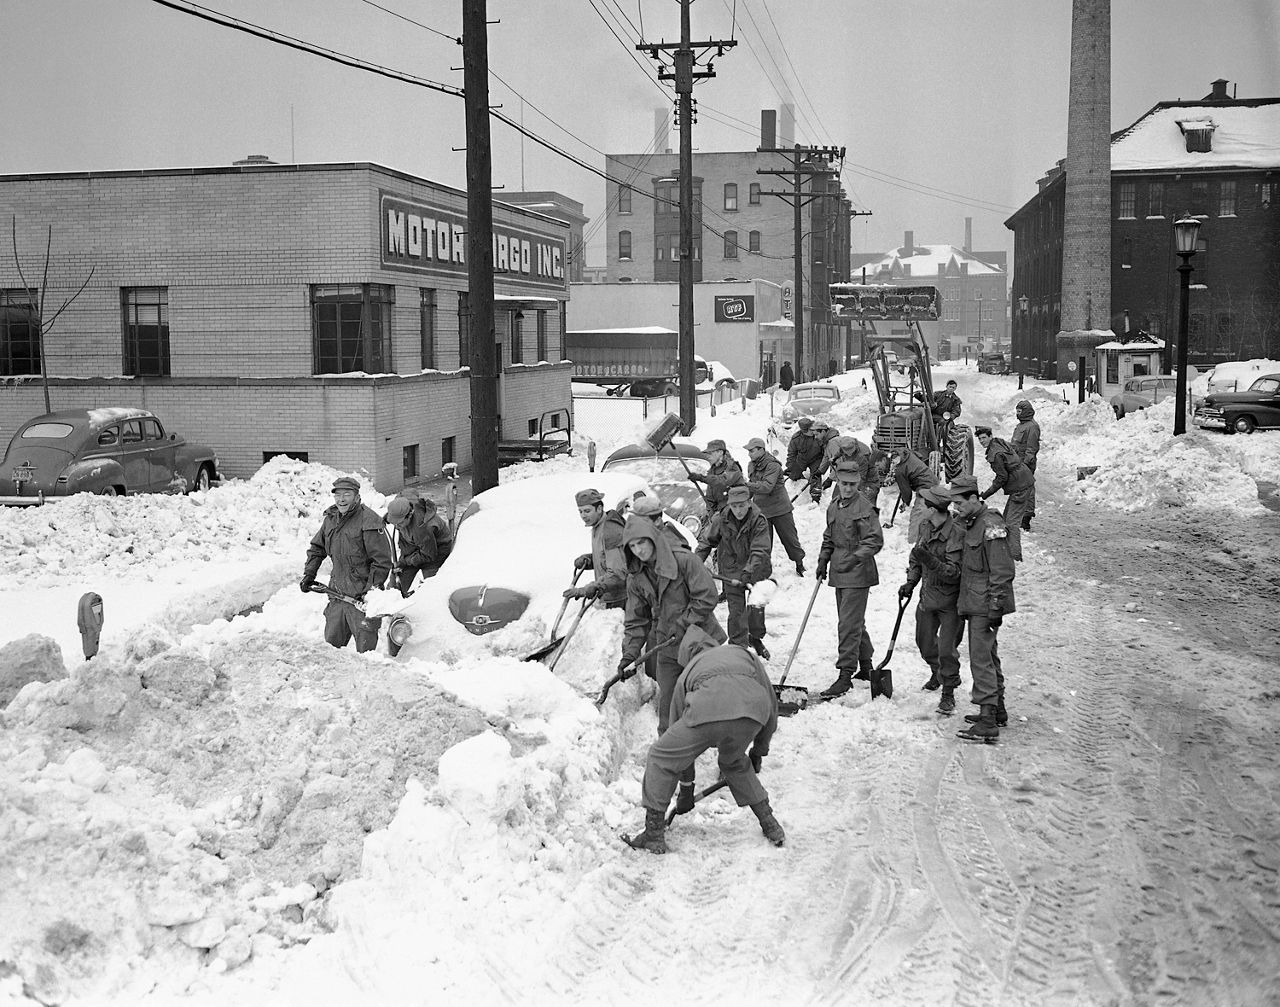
<point>399,629</point>
<point>693,523</point>
<point>788,413</point>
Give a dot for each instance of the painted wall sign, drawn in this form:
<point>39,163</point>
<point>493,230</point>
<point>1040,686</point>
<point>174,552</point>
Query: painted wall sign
<point>421,238</point>
<point>741,308</point>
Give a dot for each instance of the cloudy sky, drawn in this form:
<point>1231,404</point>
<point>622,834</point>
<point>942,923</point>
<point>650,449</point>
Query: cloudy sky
<point>947,109</point>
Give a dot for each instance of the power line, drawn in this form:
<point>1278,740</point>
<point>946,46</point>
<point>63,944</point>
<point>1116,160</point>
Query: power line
<point>388,10</point>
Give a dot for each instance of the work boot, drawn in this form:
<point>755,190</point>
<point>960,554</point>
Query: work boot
<point>839,687</point>
<point>864,673</point>
<point>653,838</point>
<point>684,798</point>
<point>1002,715</point>
<point>984,729</point>
<point>768,824</point>
<point>932,683</point>
<point>1026,524</point>
<point>947,704</point>
<point>760,648</point>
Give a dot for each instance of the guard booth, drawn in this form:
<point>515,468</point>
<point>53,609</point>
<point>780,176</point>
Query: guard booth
<point>1118,360</point>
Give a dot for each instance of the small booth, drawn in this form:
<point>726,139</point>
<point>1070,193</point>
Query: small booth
<point>1118,360</point>
<point>777,345</point>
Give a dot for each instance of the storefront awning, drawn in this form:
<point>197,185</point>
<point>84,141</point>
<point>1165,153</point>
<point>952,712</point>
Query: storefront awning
<point>510,300</point>
<point>781,323</point>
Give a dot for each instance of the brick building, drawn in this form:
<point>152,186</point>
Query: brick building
<point>316,310</point>
<point>1218,159</point>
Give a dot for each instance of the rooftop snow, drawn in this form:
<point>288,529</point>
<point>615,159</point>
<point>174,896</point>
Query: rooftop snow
<point>930,260</point>
<point>1246,136</point>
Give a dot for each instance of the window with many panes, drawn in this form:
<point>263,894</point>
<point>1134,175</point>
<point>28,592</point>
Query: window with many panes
<point>1200,197</point>
<point>1126,253</point>
<point>19,332</point>
<point>753,194</point>
<point>730,195</point>
<point>753,241</point>
<point>1266,193</point>
<point>464,329</point>
<point>517,337</point>
<point>428,328</point>
<point>624,199</point>
<point>542,336</point>
<point>1125,194</point>
<point>1155,199</point>
<point>730,244</point>
<point>624,244</point>
<point>1227,199</point>
<point>351,327</point>
<point>145,324</point>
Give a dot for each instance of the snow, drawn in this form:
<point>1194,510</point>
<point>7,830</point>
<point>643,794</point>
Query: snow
<point>929,261</point>
<point>1245,136</point>
<point>221,806</point>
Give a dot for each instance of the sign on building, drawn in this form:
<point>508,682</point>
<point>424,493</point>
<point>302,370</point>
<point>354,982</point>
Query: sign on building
<point>735,309</point>
<point>883,302</point>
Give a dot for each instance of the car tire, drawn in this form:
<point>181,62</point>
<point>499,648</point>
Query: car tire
<point>107,491</point>
<point>1119,411</point>
<point>671,389</point>
<point>1244,425</point>
<point>203,480</point>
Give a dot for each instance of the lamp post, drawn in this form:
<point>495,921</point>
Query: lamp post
<point>1185,229</point>
<point>980,346</point>
<point>1026,336</point>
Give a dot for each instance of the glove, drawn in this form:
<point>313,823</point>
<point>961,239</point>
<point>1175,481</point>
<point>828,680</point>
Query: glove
<point>306,583</point>
<point>995,617</point>
<point>757,758</point>
<point>697,477</point>
<point>577,592</point>
<point>583,562</point>
<point>625,671</point>
<point>925,558</point>
<point>826,484</point>
<point>822,570</point>
<point>904,592</point>
<point>990,492</point>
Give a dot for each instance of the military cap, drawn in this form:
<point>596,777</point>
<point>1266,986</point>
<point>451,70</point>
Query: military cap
<point>585,498</point>
<point>963,485</point>
<point>805,422</point>
<point>739,494</point>
<point>646,505</point>
<point>848,469</point>
<point>346,483</point>
<point>755,442</point>
<point>936,496</point>
<point>979,431</point>
<point>716,444</point>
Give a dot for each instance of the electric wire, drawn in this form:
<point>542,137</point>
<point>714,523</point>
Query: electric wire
<point>452,38</point>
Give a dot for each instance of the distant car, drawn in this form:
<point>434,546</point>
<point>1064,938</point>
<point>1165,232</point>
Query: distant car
<point>992,363</point>
<point>111,451</point>
<point>1140,392</point>
<point>810,399</point>
<point>1243,412</point>
<point>667,477</point>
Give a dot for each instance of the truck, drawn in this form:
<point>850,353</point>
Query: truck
<point>643,361</point>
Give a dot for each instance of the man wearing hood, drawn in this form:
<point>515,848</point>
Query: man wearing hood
<point>424,537</point>
<point>724,700</point>
<point>353,538</point>
<point>741,537</point>
<point>1026,442</point>
<point>1012,476</point>
<point>605,557</point>
<point>935,565</point>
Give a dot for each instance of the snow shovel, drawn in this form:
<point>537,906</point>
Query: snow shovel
<point>573,628</point>
<point>554,642</point>
<point>792,699</point>
<point>896,508</point>
<point>882,674</point>
<point>625,673</point>
<point>704,792</point>
<point>336,595</point>
<point>660,436</point>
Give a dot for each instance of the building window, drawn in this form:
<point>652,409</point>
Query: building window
<point>730,195</point>
<point>1113,367</point>
<point>542,335</point>
<point>675,253</point>
<point>662,254</point>
<point>19,332</point>
<point>427,322</point>
<point>1200,197</point>
<point>562,324</point>
<point>753,241</point>
<point>1125,197</point>
<point>1155,199</point>
<point>1201,262</point>
<point>624,199</point>
<point>1227,199</point>
<point>1126,253</point>
<point>753,194</point>
<point>351,327</point>
<point>730,244</point>
<point>410,456</point>
<point>1196,326</point>
<point>624,245</point>
<point>1226,325</point>
<point>464,328</point>
<point>146,330</point>
<point>448,450</point>
<point>1266,193</point>
<point>517,337</point>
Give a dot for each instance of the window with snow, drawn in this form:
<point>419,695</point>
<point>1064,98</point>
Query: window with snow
<point>624,244</point>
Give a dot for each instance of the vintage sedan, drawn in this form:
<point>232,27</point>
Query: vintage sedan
<point>1243,412</point>
<point>111,451</point>
<point>810,399</point>
<point>667,473</point>
<point>1142,391</point>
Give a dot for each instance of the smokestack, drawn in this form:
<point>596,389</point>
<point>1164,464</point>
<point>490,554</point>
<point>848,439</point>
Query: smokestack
<point>661,130</point>
<point>908,244</point>
<point>787,127</point>
<point>768,127</point>
<point>968,234</point>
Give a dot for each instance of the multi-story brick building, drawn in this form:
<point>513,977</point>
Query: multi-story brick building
<point>316,310</point>
<point>740,231</point>
<point>1218,159</point>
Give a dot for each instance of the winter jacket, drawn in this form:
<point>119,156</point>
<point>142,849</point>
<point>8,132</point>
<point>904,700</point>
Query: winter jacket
<point>358,546</point>
<point>1026,438</point>
<point>669,593</point>
<point>946,402</point>
<point>742,547</point>
<point>850,543</point>
<point>804,450</point>
<point>425,539</point>
<point>986,571</point>
<point>1011,474</point>
<point>850,449</point>
<point>786,376</point>
<point>935,560</point>
<point>607,558</point>
<point>827,439</point>
<point>913,475</point>
<point>719,479</point>
<point>727,683</point>
<point>768,492</point>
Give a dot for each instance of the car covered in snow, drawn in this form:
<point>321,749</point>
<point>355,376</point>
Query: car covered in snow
<point>111,451</point>
<point>1140,392</point>
<point>512,557</point>
<point>667,473</point>
<point>1243,412</point>
<point>810,399</point>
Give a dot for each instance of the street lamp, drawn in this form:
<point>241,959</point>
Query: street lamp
<point>1185,229</point>
<point>1026,336</point>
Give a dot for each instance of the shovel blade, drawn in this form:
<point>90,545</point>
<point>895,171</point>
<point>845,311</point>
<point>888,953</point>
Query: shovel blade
<point>545,651</point>
<point>791,699</point>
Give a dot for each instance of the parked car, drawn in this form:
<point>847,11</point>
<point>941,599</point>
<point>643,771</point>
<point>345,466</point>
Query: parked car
<point>1243,412</point>
<point>809,399</point>
<point>512,558</point>
<point>992,363</point>
<point>113,450</point>
<point>665,473</point>
<point>1140,392</point>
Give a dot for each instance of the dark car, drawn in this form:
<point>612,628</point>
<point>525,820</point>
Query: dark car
<point>811,399</point>
<point>1243,412</point>
<point>111,451</point>
<point>992,363</point>
<point>666,475</point>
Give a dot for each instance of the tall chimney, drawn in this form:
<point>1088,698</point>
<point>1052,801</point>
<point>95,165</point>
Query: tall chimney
<point>662,130</point>
<point>908,244</point>
<point>787,126</point>
<point>768,127</point>
<point>968,234</point>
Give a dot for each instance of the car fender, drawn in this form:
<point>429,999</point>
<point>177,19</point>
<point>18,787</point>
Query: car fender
<point>187,460</point>
<point>91,475</point>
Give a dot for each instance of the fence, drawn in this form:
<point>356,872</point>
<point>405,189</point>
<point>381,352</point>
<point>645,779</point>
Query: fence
<point>609,419</point>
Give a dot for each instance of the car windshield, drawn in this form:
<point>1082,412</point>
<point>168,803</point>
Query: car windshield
<point>658,469</point>
<point>815,393</point>
<point>48,431</point>
<point>1265,385</point>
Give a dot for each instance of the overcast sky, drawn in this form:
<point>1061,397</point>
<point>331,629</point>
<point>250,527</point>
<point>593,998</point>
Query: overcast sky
<point>969,98</point>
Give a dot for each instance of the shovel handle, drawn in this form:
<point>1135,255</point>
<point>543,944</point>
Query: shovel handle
<point>902,607</point>
<point>564,605</point>
<point>623,674</point>
<point>319,588</point>
<point>704,792</point>
<point>573,626</point>
<point>689,473</point>
<point>803,622</point>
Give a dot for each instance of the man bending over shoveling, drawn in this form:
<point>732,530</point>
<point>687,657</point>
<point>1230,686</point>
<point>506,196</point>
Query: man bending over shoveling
<point>722,699</point>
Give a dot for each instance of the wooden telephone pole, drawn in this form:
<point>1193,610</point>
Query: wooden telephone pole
<point>684,70</point>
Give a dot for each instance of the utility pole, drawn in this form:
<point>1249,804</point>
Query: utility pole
<point>484,379</point>
<point>804,166</point>
<point>683,70</point>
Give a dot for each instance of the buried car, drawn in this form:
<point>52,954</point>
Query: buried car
<point>1143,391</point>
<point>1243,412</point>
<point>512,559</point>
<point>111,451</point>
<point>666,474</point>
<point>811,399</point>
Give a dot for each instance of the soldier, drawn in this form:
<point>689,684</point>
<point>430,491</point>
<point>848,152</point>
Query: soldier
<point>605,558</point>
<point>935,564</point>
<point>741,537</point>
<point>723,473</point>
<point>769,494</point>
<point>1011,475</point>
<point>986,597</point>
<point>425,538</point>
<point>912,475</point>
<point>849,546</point>
<point>722,699</point>
<point>805,452</point>
<point>355,540</point>
<point>1026,442</point>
